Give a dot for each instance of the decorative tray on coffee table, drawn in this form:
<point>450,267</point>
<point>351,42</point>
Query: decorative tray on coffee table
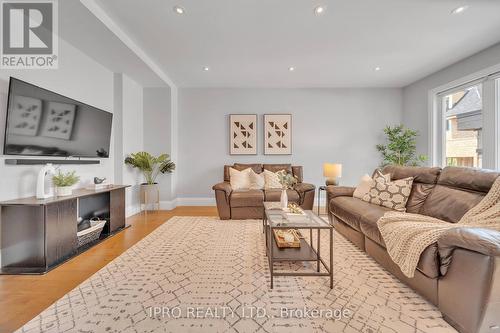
<point>280,236</point>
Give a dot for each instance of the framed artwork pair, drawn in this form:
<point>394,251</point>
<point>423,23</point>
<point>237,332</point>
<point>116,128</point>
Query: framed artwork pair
<point>31,117</point>
<point>277,134</point>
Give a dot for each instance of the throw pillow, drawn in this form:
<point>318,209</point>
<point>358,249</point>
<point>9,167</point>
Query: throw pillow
<point>379,174</point>
<point>366,183</point>
<point>257,180</point>
<point>239,179</point>
<point>392,195</point>
<point>272,180</point>
<point>364,186</point>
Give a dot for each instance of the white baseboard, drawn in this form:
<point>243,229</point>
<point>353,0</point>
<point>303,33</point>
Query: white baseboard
<point>210,201</point>
<point>132,210</point>
<point>200,201</point>
<point>169,205</point>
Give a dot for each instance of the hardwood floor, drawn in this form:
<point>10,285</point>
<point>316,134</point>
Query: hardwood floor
<point>22,297</point>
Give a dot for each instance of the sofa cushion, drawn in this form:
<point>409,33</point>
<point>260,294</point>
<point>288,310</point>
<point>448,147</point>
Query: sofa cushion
<point>278,167</point>
<point>478,180</point>
<point>297,172</point>
<point>418,195</point>
<point>450,204</point>
<point>368,223</point>
<point>457,191</point>
<point>275,195</point>
<point>240,166</point>
<point>424,180</point>
<point>349,210</point>
<point>419,174</point>
<point>247,198</point>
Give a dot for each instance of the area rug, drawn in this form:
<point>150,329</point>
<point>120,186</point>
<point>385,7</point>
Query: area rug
<point>201,274</point>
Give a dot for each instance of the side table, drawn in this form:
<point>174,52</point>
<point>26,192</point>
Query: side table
<point>321,188</point>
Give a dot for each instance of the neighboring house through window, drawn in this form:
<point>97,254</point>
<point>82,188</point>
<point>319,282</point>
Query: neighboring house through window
<point>464,122</point>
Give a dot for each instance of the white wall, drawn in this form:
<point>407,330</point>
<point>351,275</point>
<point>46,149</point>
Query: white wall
<point>328,125</point>
<point>415,96</point>
<point>157,118</point>
<point>133,134</point>
<point>78,77</point>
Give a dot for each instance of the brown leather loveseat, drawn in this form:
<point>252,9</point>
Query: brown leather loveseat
<point>461,273</point>
<point>248,204</point>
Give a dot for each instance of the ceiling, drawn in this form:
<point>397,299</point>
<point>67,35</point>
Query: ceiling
<point>79,27</point>
<point>252,43</point>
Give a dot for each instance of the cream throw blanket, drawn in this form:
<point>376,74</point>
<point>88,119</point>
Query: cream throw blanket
<point>407,235</point>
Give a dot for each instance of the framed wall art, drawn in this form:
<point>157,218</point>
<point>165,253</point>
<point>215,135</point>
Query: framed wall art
<point>277,134</point>
<point>243,134</point>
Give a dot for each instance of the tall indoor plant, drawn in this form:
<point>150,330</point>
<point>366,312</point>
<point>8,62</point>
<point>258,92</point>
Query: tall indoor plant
<point>401,147</point>
<point>151,167</point>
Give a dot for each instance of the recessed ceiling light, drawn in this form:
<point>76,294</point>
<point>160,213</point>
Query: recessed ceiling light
<point>459,10</point>
<point>291,69</point>
<point>206,68</point>
<point>179,10</point>
<point>319,10</point>
<point>377,68</point>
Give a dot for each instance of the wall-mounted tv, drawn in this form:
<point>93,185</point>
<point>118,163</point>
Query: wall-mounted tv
<point>43,123</point>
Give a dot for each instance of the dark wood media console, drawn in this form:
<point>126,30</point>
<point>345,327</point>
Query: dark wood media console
<point>38,235</point>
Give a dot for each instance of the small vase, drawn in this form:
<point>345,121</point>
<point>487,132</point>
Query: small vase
<point>63,191</point>
<point>284,199</point>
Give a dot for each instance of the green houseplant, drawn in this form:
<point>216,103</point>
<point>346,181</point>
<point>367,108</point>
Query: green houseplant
<point>64,181</point>
<point>151,167</point>
<point>401,147</point>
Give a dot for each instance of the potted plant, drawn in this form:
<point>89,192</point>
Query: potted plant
<point>287,181</point>
<point>150,166</point>
<point>401,147</point>
<point>63,182</point>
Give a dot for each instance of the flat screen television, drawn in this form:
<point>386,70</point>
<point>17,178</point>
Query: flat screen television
<point>43,123</point>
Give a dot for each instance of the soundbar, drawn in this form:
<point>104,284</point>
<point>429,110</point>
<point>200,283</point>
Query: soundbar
<point>22,161</point>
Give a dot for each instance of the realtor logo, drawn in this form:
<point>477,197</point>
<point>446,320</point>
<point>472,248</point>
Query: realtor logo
<point>29,34</point>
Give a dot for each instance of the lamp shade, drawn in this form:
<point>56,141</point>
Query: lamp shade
<point>332,170</point>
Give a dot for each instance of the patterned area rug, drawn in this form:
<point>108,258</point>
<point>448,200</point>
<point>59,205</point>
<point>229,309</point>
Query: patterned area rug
<point>200,274</point>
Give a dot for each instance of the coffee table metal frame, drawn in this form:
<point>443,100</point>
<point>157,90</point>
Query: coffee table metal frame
<point>272,219</point>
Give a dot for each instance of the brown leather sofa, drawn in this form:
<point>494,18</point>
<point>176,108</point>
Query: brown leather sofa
<point>248,204</point>
<point>461,273</point>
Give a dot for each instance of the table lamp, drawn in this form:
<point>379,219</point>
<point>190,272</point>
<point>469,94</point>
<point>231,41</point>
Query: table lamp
<point>332,171</point>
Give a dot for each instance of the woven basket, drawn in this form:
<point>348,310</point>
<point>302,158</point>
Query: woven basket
<point>91,234</point>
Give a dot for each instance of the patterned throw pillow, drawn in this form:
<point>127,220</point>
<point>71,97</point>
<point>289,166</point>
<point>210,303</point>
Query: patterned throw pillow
<point>389,194</point>
<point>272,180</point>
<point>366,183</point>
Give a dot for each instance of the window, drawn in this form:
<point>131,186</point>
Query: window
<point>497,123</point>
<point>465,122</point>
<point>464,125</point>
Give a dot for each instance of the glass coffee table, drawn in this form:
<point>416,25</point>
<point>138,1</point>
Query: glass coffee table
<point>274,219</point>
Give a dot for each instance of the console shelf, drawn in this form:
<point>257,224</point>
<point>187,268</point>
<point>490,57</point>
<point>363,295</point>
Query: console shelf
<point>39,235</point>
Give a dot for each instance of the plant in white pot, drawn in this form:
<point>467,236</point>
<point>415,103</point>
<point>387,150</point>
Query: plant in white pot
<point>151,167</point>
<point>63,182</point>
<point>287,181</point>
